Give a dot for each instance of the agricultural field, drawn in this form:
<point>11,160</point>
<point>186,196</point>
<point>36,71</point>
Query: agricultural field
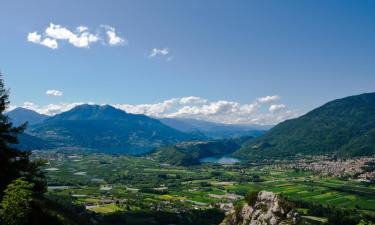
<point>105,184</point>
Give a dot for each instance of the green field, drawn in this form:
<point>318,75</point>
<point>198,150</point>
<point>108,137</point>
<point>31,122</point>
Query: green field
<point>124,183</point>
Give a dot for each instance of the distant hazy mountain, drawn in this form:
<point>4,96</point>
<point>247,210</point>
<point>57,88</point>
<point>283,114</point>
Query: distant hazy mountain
<point>345,126</point>
<point>190,153</point>
<point>214,130</point>
<point>107,129</point>
<point>21,115</point>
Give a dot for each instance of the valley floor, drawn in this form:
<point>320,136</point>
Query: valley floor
<point>105,184</point>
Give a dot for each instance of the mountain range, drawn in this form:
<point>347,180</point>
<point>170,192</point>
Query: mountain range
<point>345,127</point>
<point>214,130</point>
<point>107,129</point>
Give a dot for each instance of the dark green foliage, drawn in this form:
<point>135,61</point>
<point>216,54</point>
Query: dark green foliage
<point>107,129</point>
<point>15,206</point>
<point>344,126</point>
<point>13,162</point>
<point>174,156</point>
<point>365,222</point>
<point>190,153</point>
<point>57,211</point>
<point>335,215</point>
<point>369,167</point>
<point>141,217</point>
<point>285,204</point>
<point>16,193</point>
<point>238,212</point>
<point>251,197</point>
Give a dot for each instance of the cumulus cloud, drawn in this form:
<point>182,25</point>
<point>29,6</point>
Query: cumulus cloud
<point>82,28</point>
<point>55,93</point>
<point>80,37</point>
<point>268,99</point>
<point>275,108</point>
<point>158,52</point>
<point>113,38</point>
<point>221,111</point>
<point>50,43</point>
<point>157,109</point>
<point>34,37</point>
<point>192,100</point>
<point>51,109</point>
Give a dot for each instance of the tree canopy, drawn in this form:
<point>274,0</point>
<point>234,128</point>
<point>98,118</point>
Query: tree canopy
<point>14,163</point>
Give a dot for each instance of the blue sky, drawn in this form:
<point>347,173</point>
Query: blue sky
<point>307,52</point>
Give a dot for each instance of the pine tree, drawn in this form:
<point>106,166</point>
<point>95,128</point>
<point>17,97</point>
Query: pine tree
<point>14,163</point>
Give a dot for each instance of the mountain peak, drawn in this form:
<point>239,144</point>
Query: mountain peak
<point>105,128</point>
<point>21,115</point>
<point>92,112</point>
<point>23,110</point>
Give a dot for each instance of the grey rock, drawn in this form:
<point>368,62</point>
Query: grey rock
<point>267,210</point>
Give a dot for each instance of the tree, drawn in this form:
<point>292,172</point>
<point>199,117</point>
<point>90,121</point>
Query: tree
<point>13,162</point>
<point>251,197</point>
<point>16,203</point>
<point>365,222</point>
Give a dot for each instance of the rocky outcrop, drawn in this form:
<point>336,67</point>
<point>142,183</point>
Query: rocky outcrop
<point>269,209</point>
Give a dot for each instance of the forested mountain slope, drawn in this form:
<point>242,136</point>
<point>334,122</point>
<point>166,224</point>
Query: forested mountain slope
<point>107,129</point>
<point>344,126</point>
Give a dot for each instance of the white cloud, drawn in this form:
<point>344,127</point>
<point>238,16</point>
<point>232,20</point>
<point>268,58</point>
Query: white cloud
<point>268,99</point>
<point>79,37</point>
<point>34,37</point>
<point>221,111</point>
<point>161,52</point>
<point>58,32</point>
<point>50,43</point>
<point>10,108</point>
<point>51,109</point>
<point>55,93</point>
<point>157,109</point>
<point>192,100</point>
<point>82,28</point>
<point>275,108</point>
<point>113,39</point>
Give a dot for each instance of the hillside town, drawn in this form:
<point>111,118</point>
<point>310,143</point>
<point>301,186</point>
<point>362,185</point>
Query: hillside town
<point>360,169</point>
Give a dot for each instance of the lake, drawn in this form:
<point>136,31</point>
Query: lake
<point>220,160</point>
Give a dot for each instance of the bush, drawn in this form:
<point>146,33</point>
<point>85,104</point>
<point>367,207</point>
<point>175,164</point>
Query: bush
<point>16,204</point>
<point>238,212</point>
<point>251,197</point>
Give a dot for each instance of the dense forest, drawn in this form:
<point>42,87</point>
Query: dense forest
<point>345,127</point>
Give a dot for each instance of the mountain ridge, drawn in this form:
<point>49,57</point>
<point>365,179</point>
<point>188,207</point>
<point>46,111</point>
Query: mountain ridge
<point>343,126</point>
<point>107,129</point>
<point>21,115</point>
<point>190,153</point>
<point>212,129</point>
